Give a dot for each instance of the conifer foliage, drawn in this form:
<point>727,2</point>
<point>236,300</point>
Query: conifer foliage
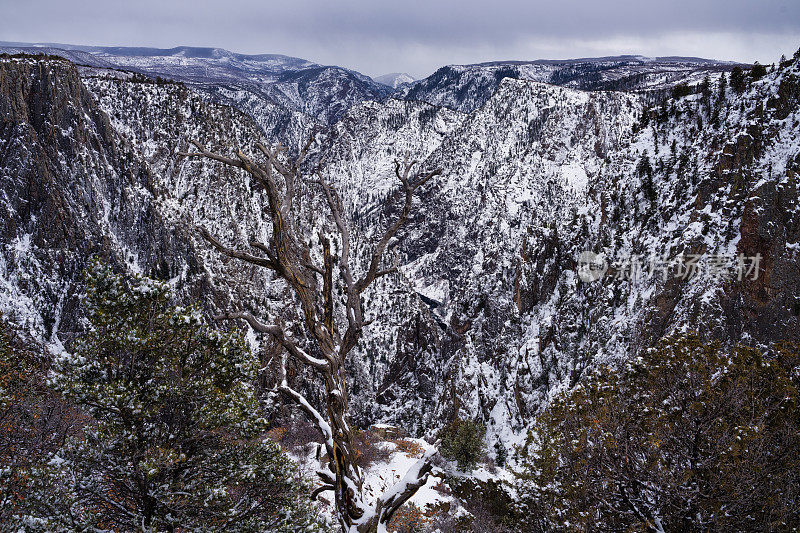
<point>463,442</point>
<point>175,440</point>
<point>687,437</point>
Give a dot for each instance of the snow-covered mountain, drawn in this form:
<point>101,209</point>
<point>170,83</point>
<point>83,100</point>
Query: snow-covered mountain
<point>466,87</point>
<point>395,79</point>
<point>81,179</point>
<point>285,86</point>
<point>539,174</point>
<point>183,63</point>
<point>298,85</point>
<point>488,315</point>
<point>279,90</point>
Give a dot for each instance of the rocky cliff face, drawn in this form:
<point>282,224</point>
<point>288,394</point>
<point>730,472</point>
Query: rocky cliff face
<point>90,168</point>
<point>283,93</point>
<point>71,189</point>
<point>488,314</point>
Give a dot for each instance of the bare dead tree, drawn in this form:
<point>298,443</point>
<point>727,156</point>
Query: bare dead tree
<point>290,257</point>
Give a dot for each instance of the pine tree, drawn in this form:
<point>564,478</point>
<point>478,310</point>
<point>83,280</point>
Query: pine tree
<point>705,92</point>
<point>174,437</point>
<point>645,171</point>
<point>758,71</point>
<point>738,82</point>
<point>501,454</point>
<point>723,87</point>
<point>687,437</point>
<point>462,442</point>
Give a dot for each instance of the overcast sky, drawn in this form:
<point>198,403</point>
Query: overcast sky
<point>413,36</point>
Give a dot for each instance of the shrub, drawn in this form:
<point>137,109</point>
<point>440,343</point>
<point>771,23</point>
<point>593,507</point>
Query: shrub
<point>462,442</point>
<point>409,447</point>
<point>299,435</point>
<point>407,519</point>
<point>34,421</point>
<point>689,436</point>
<point>369,449</point>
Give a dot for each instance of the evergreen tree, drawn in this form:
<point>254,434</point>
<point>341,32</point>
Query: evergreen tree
<point>758,71</point>
<point>737,80</point>
<point>705,92</point>
<point>681,90</point>
<point>462,442</point>
<point>723,87</point>
<point>645,171</point>
<point>687,437</point>
<point>174,437</point>
<point>501,454</point>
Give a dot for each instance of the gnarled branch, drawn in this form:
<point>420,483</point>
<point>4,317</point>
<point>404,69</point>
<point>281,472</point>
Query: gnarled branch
<point>202,152</point>
<point>279,335</point>
<point>267,262</point>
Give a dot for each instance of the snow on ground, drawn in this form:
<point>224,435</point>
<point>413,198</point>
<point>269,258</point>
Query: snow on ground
<point>382,475</point>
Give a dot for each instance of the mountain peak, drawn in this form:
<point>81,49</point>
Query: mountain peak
<point>395,79</point>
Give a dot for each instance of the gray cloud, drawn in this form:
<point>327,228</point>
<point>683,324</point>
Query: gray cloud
<point>417,36</point>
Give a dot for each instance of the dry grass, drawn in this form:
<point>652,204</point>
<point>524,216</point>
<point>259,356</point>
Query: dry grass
<point>369,449</point>
<point>409,447</point>
<point>408,519</point>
